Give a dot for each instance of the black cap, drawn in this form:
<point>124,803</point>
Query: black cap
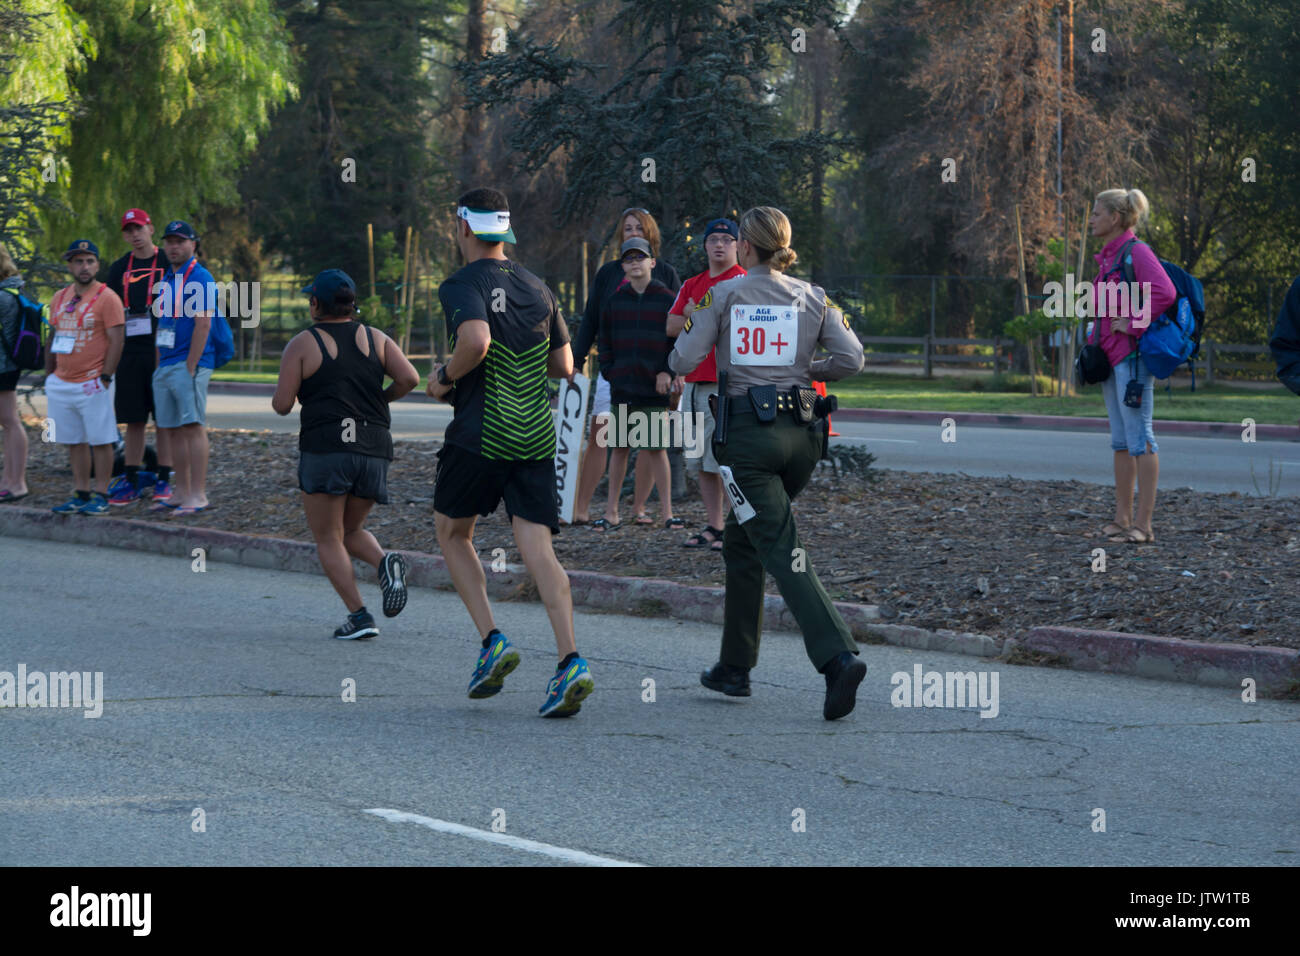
<point>327,284</point>
<point>179,227</point>
<point>637,243</point>
<point>81,247</point>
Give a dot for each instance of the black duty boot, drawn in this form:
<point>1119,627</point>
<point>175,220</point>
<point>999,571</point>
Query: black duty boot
<point>732,681</point>
<point>843,675</point>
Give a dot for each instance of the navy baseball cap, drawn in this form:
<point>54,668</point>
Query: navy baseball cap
<point>638,244</point>
<point>179,227</point>
<point>722,225</point>
<point>327,284</point>
<point>81,247</point>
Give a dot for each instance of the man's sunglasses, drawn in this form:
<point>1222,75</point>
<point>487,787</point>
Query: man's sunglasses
<point>635,257</point>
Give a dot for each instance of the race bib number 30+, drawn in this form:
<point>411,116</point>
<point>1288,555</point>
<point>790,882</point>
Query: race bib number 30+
<point>764,334</point>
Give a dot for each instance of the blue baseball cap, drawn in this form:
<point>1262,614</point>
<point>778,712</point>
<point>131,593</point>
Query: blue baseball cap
<point>722,225</point>
<point>81,247</point>
<point>179,227</point>
<point>327,284</point>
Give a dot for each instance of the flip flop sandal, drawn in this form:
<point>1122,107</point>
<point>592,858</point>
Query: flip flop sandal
<point>643,519</point>
<point>10,496</point>
<point>603,526</point>
<point>707,538</point>
<point>674,524</point>
<point>185,512</point>
<point>1133,536</point>
<point>1114,530</point>
<point>162,507</point>
<point>716,546</point>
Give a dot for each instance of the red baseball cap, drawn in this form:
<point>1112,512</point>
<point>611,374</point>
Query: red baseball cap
<point>138,216</point>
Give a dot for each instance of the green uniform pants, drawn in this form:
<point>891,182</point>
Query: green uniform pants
<point>771,464</point>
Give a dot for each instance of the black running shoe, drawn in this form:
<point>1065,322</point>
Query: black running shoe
<point>843,675</point>
<point>357,626</point>
<point>732,681</point>
<point>392,578</point>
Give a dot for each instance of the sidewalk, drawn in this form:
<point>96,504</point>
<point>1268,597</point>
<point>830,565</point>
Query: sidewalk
<point>1275,671</point>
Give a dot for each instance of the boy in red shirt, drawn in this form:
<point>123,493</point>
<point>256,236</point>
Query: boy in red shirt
<point>720,237</point>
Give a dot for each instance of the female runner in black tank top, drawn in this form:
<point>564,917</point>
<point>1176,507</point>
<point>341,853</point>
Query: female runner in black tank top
<point>336,370</point>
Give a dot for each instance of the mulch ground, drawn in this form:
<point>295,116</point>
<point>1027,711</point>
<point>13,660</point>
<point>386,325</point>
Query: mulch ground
<point>994,556</point>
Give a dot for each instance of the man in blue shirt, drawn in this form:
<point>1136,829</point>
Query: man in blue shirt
<point>185,307</point>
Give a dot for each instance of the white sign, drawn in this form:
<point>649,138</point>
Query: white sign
<point>739,503</point>
<point>570,419</point>
<point>764,334</point>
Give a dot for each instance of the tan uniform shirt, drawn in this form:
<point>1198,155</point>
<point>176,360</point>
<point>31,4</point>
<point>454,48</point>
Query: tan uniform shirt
<point>755,340</point>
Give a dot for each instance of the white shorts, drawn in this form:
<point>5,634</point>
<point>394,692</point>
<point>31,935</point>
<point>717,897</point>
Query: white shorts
<point>695,401</point>
<point>602,397</point>
<point>80,411</point>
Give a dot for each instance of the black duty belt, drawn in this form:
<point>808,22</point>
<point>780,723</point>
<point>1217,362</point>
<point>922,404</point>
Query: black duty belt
<point>767,400</point>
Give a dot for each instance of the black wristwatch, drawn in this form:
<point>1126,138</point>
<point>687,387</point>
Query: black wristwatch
<point>442,378</point>
<point>106,379</point>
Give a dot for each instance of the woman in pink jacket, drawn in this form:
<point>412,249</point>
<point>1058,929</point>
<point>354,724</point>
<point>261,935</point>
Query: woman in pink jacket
<point>1120,322</point>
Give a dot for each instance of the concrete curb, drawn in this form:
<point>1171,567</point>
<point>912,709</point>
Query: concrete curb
<point>1276,671</point>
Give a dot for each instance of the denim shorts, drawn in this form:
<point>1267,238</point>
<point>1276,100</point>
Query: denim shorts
<point>1130,428</point>
<point>180,398</point>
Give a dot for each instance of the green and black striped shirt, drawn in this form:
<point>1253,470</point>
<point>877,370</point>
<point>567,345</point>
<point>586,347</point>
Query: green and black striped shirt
<point>502,408</point>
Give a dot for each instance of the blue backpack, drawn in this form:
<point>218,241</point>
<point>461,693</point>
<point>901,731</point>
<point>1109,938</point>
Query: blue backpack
<point>26,351</point>
<point>1174,337</point>
<point>223,341</point>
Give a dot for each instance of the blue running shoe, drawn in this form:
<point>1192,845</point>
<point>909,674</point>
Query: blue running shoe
<point>162,491</point>
<point>567,690</point>
<point>97,505</point>
<point>69,507</point>
<point>495,661</point>
<point>119,484</point>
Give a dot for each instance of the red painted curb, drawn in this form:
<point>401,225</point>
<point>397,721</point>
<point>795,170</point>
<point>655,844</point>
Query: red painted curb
<point>1275,670</point>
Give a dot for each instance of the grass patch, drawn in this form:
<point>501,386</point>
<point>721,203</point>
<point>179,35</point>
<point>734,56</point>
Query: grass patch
<point>1008,394</point>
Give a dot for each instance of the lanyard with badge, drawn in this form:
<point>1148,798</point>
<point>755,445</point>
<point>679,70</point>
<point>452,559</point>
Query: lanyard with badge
<point>65,338</point>
<point>137,323</point>
<point>166,337</point>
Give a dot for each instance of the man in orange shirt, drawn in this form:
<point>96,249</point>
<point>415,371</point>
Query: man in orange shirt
<point>82,356</point>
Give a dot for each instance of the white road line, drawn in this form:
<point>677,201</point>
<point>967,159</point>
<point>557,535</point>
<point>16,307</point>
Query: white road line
<point>502,839</point>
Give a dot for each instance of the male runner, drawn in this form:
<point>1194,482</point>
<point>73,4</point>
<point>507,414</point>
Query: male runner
<point>133,277</point>
<point>508,338</point>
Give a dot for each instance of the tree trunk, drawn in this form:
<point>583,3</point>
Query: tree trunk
<point>472,161</point>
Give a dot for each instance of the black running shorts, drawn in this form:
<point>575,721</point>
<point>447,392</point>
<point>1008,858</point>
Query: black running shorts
<point>343,473</point>
<point>468,484</point>
<point>133,398</point>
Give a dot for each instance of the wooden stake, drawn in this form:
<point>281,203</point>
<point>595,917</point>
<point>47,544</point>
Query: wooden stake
<point>1024,297</point>
<point>370,248</point>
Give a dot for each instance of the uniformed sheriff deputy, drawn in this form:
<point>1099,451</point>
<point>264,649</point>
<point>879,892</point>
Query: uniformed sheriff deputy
<point>771,432</point>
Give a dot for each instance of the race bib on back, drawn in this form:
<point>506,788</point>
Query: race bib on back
<point>764,334</point>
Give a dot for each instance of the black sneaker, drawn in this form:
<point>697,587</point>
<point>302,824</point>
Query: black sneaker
<point>392,578</point>
<point>843,675</point>
<point>357,626</point>
<point>732,681</point>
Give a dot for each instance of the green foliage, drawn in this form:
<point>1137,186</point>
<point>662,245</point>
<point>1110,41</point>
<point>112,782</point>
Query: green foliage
<point>171,100</point>
<point>351,149</point>
<point>687,128</point>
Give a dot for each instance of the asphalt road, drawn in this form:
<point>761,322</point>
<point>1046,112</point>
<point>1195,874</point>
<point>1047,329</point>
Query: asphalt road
<point>222,692</point>
<point>1204,464</point>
